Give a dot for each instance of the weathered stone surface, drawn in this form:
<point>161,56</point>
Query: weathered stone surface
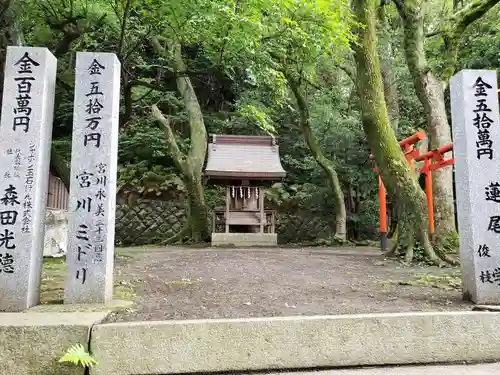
<point>32,343</point>
<point>111,306</point>
<point>244,239</point>
<point>56,233</point>
<point>476,142</point>
<point>468,369</point>
<point>25,139</point>
<point>185,346</point>
<point>148,221</point>
<point>92,197</point>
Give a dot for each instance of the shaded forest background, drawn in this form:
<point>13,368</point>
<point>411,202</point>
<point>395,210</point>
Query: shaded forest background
<point>197,67</point>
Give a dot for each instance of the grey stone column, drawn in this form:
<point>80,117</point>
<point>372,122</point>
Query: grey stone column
<point>92,200</point>
<point>25,140</point>
<point>476,142</point>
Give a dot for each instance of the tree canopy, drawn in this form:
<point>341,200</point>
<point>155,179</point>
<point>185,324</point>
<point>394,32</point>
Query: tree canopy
<point>292,68</point>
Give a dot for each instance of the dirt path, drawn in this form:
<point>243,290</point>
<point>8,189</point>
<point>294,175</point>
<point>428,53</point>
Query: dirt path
<point>190,283</point>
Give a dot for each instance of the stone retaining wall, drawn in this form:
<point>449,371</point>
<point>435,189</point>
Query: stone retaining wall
<point>148,221</point>
<point>151,221</point>
<point>302,227</point>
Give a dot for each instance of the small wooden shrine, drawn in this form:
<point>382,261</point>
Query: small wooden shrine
<point>245,165</point>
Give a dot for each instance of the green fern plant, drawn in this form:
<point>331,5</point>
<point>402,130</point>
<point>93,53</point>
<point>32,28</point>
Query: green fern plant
<point>78,356</point>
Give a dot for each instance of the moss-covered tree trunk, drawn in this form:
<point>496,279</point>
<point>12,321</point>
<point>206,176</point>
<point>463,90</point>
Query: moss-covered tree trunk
<point>387,64</point>
<point>190,165</point>
<point>321,159</point>
<point>386,53</point>
<point>396,173</point>
<point>198,216</point>
<point>430,91</point>
<point>193,173</point>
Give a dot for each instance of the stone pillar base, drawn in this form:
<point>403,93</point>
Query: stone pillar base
<point>244,239</point>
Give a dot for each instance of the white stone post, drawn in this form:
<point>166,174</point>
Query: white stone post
<point>92,198</point>
<point>25,141</point>
<point>476,147</point>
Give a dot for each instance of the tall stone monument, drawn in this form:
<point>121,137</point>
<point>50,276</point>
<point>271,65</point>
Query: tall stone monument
<point>476,146</point>
<point>92,197</point>
<point>25,140</point>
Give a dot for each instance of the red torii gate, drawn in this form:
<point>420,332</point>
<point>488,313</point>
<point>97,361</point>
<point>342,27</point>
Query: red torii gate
<point>432,160</point>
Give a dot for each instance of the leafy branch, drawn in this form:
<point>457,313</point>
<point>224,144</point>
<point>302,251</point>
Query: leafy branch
<point>77,355</point>
<point>454,28</point>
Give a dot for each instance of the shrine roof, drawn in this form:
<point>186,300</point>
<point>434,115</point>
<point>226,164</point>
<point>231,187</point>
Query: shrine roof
<point>244,156</point>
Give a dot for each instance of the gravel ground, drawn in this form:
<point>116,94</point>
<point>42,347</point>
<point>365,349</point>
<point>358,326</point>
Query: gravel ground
<point>188,283</point>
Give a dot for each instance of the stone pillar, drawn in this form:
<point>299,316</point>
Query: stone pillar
<point>25,140</point>
<point>476,146</point>
<point>261,208</point>
<point>92,199</point>
<point>228,206</point>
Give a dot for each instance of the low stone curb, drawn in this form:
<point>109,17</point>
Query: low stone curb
<point>169,347</point>
<point>32,343</point>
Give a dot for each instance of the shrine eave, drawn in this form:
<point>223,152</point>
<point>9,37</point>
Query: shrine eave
<point>248,175</point>
<point>244,157</point>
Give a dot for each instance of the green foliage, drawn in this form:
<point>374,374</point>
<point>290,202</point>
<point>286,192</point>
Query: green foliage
<point>235,52</point>
<point>259,116</point>
<point>481,43</point>
<point>290,195</point>
<point>145,167</point>
<point>215,196</point>
<point>365,222</point>
<point>77,355</point>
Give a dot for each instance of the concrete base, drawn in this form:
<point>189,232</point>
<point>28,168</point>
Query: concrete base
<point>32,343</point>
<point>469,369</point>
<point>113,306</point>
<point>244,239</point>
<point>201,346</point>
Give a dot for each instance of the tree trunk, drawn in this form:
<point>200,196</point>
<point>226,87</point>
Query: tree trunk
<point>190,165</point>
<point>198,216</point>
<point>390,91</point>
<point>192,178</point>
<point>60,167</point>
<point>197,152</point>
<point>430,93</point>
<point>390,160</point>
<point>386,54</point>
<point>323,162</point>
